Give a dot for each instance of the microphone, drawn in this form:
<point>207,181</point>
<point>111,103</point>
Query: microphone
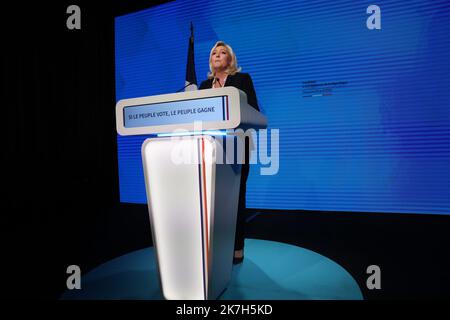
<point>189,84</point>
<point>218,80</point>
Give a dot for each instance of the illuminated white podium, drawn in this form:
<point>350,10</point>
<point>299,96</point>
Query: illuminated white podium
<point>192,177</point>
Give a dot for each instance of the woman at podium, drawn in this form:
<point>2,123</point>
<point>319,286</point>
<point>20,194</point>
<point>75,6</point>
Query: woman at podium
<point>224,72</point>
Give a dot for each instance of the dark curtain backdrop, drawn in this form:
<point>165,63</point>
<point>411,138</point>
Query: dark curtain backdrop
<point>60,198</point>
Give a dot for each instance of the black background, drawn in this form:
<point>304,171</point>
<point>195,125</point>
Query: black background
<point>60,199</point>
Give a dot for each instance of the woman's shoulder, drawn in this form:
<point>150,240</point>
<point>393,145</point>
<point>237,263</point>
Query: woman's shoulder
<point>241,75</point>
<point>206,84</point>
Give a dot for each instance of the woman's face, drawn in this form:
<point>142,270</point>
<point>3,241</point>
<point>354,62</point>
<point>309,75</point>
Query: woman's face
<point>220,59</point>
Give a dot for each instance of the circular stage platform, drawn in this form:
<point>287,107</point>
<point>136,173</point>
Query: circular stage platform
<point>271,270</point>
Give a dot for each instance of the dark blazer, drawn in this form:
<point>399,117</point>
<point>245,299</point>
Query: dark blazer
<point>239,80</point>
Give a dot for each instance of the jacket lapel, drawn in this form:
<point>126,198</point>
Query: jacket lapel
<point>228,81</point>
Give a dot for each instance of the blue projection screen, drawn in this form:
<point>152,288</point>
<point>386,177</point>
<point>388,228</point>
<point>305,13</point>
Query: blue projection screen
<point>363,113</point>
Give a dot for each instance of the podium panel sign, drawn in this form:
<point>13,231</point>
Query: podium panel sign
<point>176,112</point>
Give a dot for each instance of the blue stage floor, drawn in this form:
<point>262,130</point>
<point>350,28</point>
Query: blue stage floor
<point>271,270</point>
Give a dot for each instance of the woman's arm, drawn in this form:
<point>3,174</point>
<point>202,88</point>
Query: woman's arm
<point>247,84</point>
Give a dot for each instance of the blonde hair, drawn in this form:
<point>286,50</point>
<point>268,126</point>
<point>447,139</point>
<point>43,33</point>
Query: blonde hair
<point>232,67</point>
